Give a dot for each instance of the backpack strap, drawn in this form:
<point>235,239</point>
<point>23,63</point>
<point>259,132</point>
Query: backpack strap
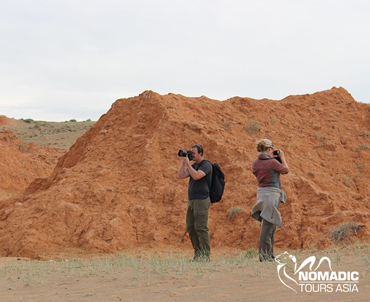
<point>209,185</point>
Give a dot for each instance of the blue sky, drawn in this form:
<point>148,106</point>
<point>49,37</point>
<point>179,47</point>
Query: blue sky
<point>72,59</point>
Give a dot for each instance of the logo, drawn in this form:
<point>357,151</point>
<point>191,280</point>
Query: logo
<point>308,278</point>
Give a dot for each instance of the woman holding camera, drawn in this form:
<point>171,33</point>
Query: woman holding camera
<point>267,170</point>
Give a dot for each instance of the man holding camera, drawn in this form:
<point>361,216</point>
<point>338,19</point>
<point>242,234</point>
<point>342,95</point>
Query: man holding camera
<point>200,179</point>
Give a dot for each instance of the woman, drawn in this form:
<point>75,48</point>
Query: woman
<point>267,170</point>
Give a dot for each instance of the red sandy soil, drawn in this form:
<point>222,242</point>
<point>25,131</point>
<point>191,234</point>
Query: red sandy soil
<point>117,187</point>
<point>22,162</point>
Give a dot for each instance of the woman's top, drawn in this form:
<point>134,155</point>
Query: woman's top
<point>267,171</point>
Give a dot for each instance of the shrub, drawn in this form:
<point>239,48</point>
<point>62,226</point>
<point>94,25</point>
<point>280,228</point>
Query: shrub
<point>234,211</point>
<point>360,175</point>
<point>347,181</point>
<point>227,125</point>
<point>273,120</point>
<point>27,120</point>
<point>344,231</point>
<point>252,126</point>
<point>360,166</point>
<point>363,147</point>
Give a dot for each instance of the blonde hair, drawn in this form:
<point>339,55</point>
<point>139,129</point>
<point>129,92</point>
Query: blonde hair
<point>263,144</point>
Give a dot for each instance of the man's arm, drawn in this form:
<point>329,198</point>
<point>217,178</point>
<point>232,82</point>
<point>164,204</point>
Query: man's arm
<point>183,172</point>
<point>196,175</point>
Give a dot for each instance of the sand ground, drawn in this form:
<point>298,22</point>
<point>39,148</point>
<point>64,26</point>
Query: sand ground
<point>159,277</point>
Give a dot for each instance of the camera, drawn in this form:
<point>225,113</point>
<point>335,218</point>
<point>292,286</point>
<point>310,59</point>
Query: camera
<point>276,155</point>
<point>188,153</point>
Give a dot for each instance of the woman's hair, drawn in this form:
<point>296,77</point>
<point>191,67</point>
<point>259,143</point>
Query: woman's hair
<point>264,144</point>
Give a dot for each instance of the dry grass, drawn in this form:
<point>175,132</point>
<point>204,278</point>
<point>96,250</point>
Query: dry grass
<point>232,273</point>
<point>138,266</point>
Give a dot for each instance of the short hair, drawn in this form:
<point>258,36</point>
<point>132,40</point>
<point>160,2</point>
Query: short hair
<point>199,148</point>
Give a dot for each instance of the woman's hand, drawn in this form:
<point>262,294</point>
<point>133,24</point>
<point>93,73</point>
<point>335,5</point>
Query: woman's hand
<point>281,153</point>
<point>283,159</point>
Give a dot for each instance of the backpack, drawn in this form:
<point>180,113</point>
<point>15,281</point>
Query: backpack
<point>218,183</point>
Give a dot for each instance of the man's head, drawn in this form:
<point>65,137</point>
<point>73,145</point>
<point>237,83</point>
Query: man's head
<point>197,151</point>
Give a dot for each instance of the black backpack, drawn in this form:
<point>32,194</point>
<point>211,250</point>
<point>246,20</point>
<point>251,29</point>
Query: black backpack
<point>218,183</point>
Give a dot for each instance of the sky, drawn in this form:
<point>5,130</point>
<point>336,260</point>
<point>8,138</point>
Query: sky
<point>62,60</point>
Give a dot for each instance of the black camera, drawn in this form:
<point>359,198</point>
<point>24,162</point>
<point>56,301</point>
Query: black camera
<point>188,153</point>
<point>276,155</point>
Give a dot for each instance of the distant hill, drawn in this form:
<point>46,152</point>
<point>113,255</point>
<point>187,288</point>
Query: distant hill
<point>60,135</point>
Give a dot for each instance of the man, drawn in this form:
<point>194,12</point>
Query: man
<point>200,174</point>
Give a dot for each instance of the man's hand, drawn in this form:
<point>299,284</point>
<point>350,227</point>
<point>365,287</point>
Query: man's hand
<point>184,168</point>
<point>189,170</point>
<point>186,162</point>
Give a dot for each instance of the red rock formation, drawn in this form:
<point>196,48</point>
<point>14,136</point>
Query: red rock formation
<point>117,187</point>
<point>21,162</point>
